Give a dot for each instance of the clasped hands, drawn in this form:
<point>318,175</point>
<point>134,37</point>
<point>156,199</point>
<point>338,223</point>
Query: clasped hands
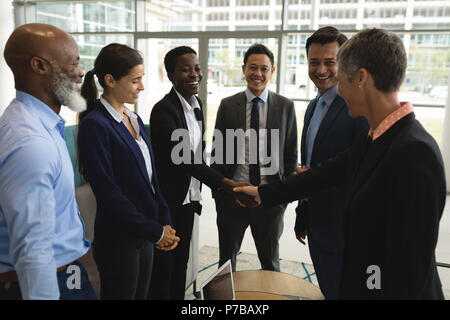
<point>169,241</point>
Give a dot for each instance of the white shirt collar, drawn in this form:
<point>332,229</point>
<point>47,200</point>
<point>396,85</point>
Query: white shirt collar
<point>114,113</point>
<point>119,118</point>
<point>186,105</point>
<point>329,95</point>
<point>263,96</point>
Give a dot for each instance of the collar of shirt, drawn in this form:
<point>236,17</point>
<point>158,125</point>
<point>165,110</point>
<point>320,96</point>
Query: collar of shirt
<point>405,109</point>
<point>186,105</point>
<point>49,118</point>
<point>118,117</point>
<point>329,95</point>
<point>250,96</point>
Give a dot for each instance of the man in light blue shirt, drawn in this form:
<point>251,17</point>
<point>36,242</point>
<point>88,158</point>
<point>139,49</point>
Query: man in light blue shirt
<point>41,231</point>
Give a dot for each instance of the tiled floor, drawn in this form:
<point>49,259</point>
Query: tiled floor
<point>291,249</point>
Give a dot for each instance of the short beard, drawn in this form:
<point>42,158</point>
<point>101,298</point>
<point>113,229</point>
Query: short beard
<point>66,90</point>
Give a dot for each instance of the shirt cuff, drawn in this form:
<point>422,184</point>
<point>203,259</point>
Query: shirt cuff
<point>162,235</point>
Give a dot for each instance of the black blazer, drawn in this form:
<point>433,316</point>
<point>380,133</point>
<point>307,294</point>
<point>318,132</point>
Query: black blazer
<point>395,195</point>
<point>127,207</point>
<point>167,116</point>
<point>323,215</point>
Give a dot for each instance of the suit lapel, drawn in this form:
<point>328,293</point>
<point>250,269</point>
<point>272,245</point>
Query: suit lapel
<point>333,111</point>
<point>372,155</point>
<point>369,158</point>
<point>202,121</point>
<point>273,113</point>
<point>273,120</point>
<point>241,111</point>
<point>309,112</point>
<point>154,181</point>
<point>308,115</point>
<point>201,114</point>
<point>173,97</point>
<point>126,136</point>
<point>175,101</point>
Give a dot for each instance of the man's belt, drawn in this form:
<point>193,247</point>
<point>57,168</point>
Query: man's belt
<point>11,276</point>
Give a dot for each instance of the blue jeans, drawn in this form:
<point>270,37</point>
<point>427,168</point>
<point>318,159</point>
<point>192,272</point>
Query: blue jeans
<point>68,286</point>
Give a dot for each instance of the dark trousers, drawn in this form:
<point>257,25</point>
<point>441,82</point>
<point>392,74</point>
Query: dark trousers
<point>328,267</point>
<point>68,290</point>
<point>169,268</point>
<point>266,225</point>
<point>125,269</point>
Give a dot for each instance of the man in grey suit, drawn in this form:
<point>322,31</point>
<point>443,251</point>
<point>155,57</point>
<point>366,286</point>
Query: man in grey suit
<point>268,119</point>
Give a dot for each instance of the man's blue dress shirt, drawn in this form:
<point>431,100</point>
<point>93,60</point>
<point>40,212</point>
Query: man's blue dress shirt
<point>40,226</point>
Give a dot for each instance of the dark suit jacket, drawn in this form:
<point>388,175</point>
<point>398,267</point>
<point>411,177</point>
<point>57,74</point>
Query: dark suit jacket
<point>280,115</point>
<point>322,214</point>
<point>395,195</point>
<point>127,207</point>
<point>167,116</point>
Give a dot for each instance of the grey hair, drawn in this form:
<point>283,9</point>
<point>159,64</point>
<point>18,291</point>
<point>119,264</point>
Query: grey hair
<point>378,51</point>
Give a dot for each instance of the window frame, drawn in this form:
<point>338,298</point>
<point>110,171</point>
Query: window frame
<point>25,12</point>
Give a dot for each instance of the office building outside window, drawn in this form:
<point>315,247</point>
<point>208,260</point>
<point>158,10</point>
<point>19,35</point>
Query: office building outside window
<point>222,30</point>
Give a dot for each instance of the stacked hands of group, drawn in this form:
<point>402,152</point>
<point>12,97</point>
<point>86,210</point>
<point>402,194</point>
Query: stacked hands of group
<point>245,195</point>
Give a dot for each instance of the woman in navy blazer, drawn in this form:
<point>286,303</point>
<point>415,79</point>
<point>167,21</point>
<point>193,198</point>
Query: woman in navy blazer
<point>116,158</point>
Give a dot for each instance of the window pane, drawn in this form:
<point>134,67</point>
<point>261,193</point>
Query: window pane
<point>225,78</point>
<point>156,83</point>
<point>89,47</point>
<point>299,14</point>
<point>297,83</point>
<point>101,16</point>
<point>432,120</point>
<point>355,14</point>
<point>426,81</point>
<point>428,68</point>
<point>213,15</point>
<point>426,75</point>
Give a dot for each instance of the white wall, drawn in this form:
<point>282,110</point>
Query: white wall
<point>7,92</point>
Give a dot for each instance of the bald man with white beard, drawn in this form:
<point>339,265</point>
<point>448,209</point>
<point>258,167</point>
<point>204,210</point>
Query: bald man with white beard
<point>41,230</point>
